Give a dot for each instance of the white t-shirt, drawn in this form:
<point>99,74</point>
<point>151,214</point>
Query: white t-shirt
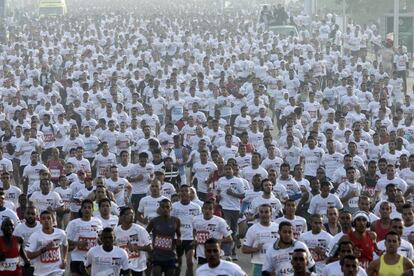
<point>12,194</point>
<point>272,201</point>
<point>136,234</point>
<point>42,202</point>
<point>65,195</point>
<point>141,187</point>
<point>8,213</point>
<point>26,147</point>
<point>32,172</point>
<point>320,205</point>
<point>313,241</point>
<point>148,206</point>
<point>347,187</point>
<point>80,230</point>
<point>248,173</point>
<point>215,227</point>
<point>23,231</point>
<point>111,222</point>
<point>119,187</point>
<point>106,263</point>
<point>313,159</point>
<point>186,214</point>
<point>201,173</point>
<point>334,269</point>
<point>224,268</point>
<point>279,260</point>
<point>49,261</point>
<point>5,165</point>
<point>104,162</point>
<point>229,202</point>
<point>299,225</point>
<point>167,190</point>
<point>260,234</point>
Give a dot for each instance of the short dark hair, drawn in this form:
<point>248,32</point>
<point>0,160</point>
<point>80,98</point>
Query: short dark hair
<point>104,200</point>
<point>284,223</point>
<point>347,257</point>
<point>123,210</point>
<point>212,241</point>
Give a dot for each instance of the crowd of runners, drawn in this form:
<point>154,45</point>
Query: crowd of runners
<point>171,138</point>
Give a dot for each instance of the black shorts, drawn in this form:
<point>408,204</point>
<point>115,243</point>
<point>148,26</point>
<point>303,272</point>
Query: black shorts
<point>77,267</point>
<point>184,248</point>
<point>165,265</point>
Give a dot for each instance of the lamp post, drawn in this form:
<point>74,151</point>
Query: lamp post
<point>396,22</point>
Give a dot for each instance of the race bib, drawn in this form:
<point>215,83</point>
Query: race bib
<point>313,114</point>
<point>123,144</point>
<point>66,204</point>
<point>49,137</point>
<point>202,236</point>
<point>9,264</point>
<point>51,256</point>
<point>163,243</point>
<point>55,173</point>
<point>102,171</point>
<point>353,202</point>
<point>316,256</point>
<point>91,242</point>
<point>131,254</point>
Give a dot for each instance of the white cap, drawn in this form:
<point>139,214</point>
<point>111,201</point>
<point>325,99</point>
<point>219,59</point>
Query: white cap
<point>361,214</point>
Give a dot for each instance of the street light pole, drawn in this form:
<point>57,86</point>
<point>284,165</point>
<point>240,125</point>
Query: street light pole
<point>343,16</point>
<point>396,22</point>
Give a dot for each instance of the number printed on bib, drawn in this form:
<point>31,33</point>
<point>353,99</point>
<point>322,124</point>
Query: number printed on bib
<point>163,243</point>
<point>9,264</point>
<point>131,254</point>
<point>50,256</point>
<point>91,242</point>
<point>202,236</point>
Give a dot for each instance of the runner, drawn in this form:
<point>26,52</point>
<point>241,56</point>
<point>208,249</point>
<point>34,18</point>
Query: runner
<point>135,240</point>
<point>12,249</point>
<point>82,236</point>
<point>185,211</point>
<point>207,226</point>
<point>390,263</point>
<point>259,237</point>
<point>148,206</point>
<point>166,235</point>
<point>282,250</point>
<point>47,248</point>
<point>25,230</point>
<point>214,265</point>
<point>107,259</point>
<point>345,248</point>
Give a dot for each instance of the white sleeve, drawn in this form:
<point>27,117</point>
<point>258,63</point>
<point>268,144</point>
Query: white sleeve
<point>342,190</point>
<point>325,271</point>
<point>31,245</point>
<point>339,204</point>
<point>125,262</point>
<point>311,209</point>
<point>88,260</point>
<point>144,238</point>
<point>268,263</point>
<point>141,206</point>
<point>249,240</point>
<point>225,229</point>
<point>69,231</point>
